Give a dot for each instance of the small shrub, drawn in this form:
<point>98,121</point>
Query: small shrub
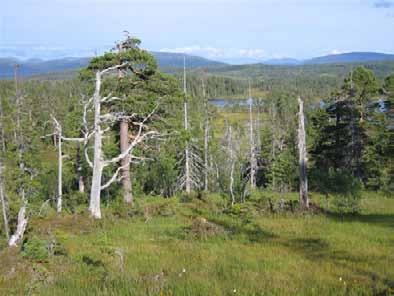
<point>120,209</point>
<point>347,203</point>
<point>256,195</point>
<point>73,201</point>
<point>348,189</point>
<point>235,210</point>
<point>340,183</point>
<point>81,209</point>
<point>59,250</point>
<point>201,228</point>
<point>92,262</point>
<point>96,267</point>
<point>45,210</point>
<point>160,207</point>
<point>215,203</point>
<point>245,211</point>
<point>189,197</point>
<point>387,181</point>
<point>35,249</point>
<point>40,209</point>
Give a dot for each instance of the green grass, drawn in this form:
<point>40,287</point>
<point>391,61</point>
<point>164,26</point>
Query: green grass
<point>257,252</point>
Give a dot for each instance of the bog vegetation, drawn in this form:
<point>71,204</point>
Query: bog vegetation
<point>127,181</point>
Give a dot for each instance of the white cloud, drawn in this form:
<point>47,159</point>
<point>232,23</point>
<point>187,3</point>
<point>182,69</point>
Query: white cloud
<point>338,51</point>
<point>195,49</point>
<point>251,53</point>
<point>48,52</point>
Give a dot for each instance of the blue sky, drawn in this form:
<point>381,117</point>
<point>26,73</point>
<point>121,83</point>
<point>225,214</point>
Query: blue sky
<point>226,30</point>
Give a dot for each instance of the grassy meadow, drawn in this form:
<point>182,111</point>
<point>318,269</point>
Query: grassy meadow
<point>200,246</point>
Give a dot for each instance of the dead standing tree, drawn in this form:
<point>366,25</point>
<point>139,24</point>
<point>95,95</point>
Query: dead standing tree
<point>230,147</point>
<point>188,178</point>
<point>59,138</point>
<point>98,164</point>
<point>191,176</point>
<point>3,198</point>
<point>304,200</point>
<point>253,161</point>
<point>3,202</point>
<point>58,131</point>
<point>19,139</point>
<point>206,137</point>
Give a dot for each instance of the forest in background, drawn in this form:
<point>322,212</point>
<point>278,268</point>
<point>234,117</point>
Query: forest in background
<point>348,133</point>
<point>124,131</point>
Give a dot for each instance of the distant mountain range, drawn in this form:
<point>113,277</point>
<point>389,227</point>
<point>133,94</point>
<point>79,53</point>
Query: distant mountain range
<point>38,67</point>
<point>168,61</point>
<point>31,67</point>
<point>351,57</point>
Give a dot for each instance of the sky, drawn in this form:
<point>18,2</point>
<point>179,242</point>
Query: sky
<point>226,30</point>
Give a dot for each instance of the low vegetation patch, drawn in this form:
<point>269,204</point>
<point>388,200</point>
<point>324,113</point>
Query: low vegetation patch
<point>201,228</point>
<point>179,252</point>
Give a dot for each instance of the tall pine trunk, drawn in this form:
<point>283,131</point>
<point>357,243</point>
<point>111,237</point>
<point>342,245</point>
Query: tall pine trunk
<point>125,163</point>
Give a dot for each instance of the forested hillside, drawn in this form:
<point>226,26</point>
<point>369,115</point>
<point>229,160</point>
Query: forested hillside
<point>351,57</point>
<point>314,81</point>
<point>125,180</point>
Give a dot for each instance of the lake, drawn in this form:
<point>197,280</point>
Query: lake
<point>221,103</point>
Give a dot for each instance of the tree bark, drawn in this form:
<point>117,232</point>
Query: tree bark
<point>2,191</point>
<point>125,162</point>
<point>4,204</point>
<point>59,172</point>
<point>81,182</point>
<point>22,224</point>
<point>258,127</point>
<point>99,163</point>
<point>206,147</point>
<point>206,138</point>
<point>304,200</point>
<point>22,220</point>
<point>252,144</point>
<point>272,109</point>
<point>124,144</point>
<point>2,128</point>
<point>188,180</point>
<point>95,193</point>
<point>232,160</point>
